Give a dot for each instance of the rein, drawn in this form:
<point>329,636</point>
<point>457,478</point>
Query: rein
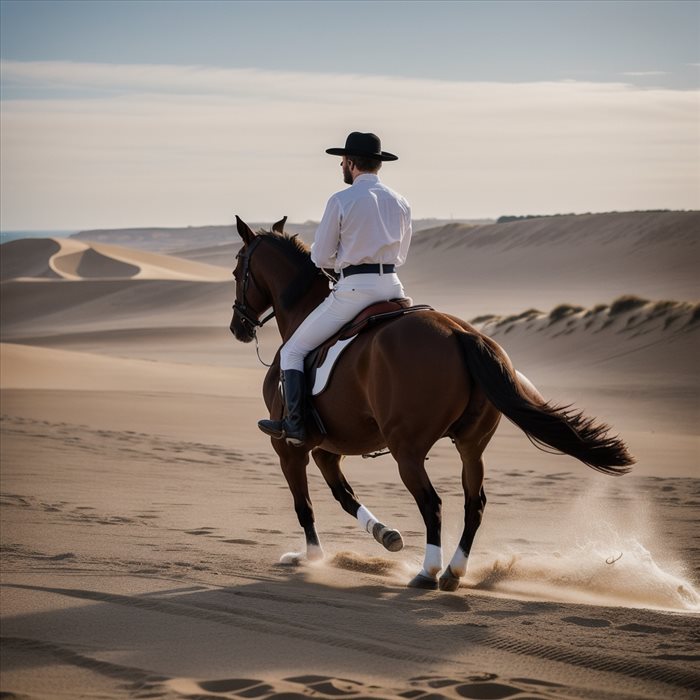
<point>247,314</point>
<point>242,308</point>
<point>257,352</point>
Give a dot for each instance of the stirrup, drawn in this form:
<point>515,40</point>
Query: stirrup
<point>277,430</point>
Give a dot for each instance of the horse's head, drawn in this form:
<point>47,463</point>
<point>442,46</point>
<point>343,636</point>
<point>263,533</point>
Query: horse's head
<point>252,293</point>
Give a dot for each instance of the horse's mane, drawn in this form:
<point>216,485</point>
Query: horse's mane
<point>300,255</point>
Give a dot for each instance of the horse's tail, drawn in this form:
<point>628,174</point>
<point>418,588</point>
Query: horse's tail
<point>559,427</point>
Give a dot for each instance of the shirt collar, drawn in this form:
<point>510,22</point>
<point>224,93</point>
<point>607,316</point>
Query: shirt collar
<point>366,177</point>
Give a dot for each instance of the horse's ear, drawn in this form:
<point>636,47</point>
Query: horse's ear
<point>279,226</point>
<point>244,231</point>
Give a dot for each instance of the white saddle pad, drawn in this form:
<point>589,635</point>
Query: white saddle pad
<point>323,372</point>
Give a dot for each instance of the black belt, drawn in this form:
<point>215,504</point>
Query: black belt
<point>367,268</point>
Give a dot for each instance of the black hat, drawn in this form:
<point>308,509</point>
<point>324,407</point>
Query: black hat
<point>359,144</point>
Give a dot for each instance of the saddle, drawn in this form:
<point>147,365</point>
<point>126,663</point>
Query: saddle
<point>320,361</point>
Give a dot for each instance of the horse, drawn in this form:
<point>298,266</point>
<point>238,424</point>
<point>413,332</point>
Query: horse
<point>401,386</point>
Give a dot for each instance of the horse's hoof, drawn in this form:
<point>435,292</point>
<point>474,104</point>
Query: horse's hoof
<point>291,559</point>
<point>448,581</point>
<point>424,582</point>
<point>390,539</point>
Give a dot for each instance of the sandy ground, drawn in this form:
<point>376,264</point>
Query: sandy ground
<point>144,515</point>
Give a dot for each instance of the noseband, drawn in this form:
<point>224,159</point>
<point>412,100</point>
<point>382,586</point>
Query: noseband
<point>248,315</point>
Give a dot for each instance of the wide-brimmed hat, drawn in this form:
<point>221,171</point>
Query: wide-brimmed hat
<point>359,144</point>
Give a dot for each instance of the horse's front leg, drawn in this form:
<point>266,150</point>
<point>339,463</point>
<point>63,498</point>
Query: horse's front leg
<point>293,461</point>
<point>329,465</point>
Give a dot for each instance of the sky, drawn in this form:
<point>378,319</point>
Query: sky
<point>175,113</point>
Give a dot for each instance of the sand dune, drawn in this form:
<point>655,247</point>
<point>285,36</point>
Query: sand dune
<point>630,336</point>
<point>28,258</point>
<point>70,259</point>
<point>190,238</point>
<point>38,307</point>
<point>25,367</point>
<point>586,259</point>
<point>144,515</point>
<point>221,254</point>
<point>159,240</point>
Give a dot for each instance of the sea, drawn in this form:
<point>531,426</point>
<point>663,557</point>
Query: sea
<point>7,236</point>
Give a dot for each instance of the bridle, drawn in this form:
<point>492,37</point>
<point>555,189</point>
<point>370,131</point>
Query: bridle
<point>248,315</point>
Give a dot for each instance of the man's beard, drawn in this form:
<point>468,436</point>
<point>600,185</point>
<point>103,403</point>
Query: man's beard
<point>347,175</point>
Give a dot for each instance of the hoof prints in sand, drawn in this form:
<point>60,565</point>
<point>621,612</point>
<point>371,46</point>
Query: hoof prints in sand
<point>152,448</point>
<point>486,686</point>
<point>140,683</point>
<point>259,610</point>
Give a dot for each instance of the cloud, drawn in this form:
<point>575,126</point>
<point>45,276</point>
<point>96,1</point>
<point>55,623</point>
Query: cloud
<point>177,145</point>
<point>642,73</point>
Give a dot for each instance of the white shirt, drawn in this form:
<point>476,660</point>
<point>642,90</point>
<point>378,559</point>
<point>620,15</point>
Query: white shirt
<point>365,223</point>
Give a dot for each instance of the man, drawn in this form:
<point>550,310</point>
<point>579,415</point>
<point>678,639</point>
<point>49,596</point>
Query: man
<point>364,235</point>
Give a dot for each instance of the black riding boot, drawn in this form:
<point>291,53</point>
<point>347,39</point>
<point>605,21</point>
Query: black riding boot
<point>292,426</point>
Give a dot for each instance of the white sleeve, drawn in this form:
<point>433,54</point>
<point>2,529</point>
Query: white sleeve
<point>325,245</point>
<point>406,233</point>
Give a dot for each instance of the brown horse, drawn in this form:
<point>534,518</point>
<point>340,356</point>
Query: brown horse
<point>402,385</point>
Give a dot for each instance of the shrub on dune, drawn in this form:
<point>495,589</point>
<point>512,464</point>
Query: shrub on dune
<point>483,319</point>
<point>626,303</point>
<point>530,313</point>
<point>594,311</point>
<point>663,305</point>
<point>562,311</point>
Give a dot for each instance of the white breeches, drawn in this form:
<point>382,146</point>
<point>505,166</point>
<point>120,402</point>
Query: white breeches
<point>349,296</point>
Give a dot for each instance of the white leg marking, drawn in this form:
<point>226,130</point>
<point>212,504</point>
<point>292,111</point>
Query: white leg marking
<point>366,519</point>
<point>291,558</point>
<point>432,564</point>
<point>313,553</point>
<point>459,563</point>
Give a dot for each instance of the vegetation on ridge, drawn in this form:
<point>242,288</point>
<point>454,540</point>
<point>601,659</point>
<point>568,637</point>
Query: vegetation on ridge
<point>508,218</point>
<point>636,312</point>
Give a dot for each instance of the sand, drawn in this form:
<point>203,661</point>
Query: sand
<point>144,515</point>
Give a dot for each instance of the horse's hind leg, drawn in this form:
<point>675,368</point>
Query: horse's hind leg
<point>471,435</point>
<point>474,504</point>
<point>416,480</point>
<point>329,465</point>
